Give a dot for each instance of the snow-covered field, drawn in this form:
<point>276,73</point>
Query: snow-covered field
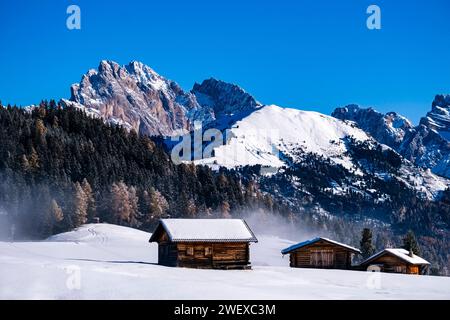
<point>110,262</point>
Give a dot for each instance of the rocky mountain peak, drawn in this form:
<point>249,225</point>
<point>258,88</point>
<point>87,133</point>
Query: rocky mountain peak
<point>223,97</point>
<point>135,96</point>
<point>438,119</point>
<point>389,128</point>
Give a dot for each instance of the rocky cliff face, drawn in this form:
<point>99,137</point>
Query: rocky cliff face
<point>224,101</point>
<point>136,97</point>
<point>428,145</point>
<point>438,119</point>
<point>389,129</point>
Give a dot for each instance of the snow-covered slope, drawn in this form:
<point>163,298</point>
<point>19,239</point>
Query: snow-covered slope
<point>110,262</point>
<point>270,134</point>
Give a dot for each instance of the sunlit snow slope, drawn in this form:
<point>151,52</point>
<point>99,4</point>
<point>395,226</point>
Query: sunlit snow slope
<point>270,133</point>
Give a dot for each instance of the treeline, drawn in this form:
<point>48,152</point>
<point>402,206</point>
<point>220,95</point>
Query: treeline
<point>60,168</point>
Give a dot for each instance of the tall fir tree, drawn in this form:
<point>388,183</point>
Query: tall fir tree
<point>367,248</point>
<point>410,243</point>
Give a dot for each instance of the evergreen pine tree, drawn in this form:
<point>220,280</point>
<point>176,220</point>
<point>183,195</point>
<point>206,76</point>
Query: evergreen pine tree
<point>410,243</point>
<point>367,248</point>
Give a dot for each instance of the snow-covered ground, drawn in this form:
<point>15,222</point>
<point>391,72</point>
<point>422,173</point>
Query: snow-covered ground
<point>110,262</point>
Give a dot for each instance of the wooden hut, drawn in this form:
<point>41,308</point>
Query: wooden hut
<point>396,261</point>
<point>204,243</point>
<point>321,253</point>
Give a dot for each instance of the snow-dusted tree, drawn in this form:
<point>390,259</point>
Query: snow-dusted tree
<point>33,160</point>
<point>91,205</point>
<point>134,207</point>
<point>80,206</point>
<point>56,211</point>
<point>157,205</point>
<point>120,204</point>
<point>225,209</point>
<point>191,208</point>
<point>40,132</point>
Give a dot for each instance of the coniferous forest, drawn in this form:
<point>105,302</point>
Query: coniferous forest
<point>60,168</point>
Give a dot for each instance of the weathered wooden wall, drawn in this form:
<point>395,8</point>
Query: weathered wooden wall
<point>394,264</point>
<point>322,255</point>
<point>213,255</point>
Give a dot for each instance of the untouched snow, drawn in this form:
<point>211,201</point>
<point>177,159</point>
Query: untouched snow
<point>207,229</point>
<point>115,262</point>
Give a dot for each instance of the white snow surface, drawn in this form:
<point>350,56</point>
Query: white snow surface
<point>103,261</point>
<point>208,229</point>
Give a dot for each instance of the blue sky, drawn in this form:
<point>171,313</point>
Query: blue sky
<point>307,54</point>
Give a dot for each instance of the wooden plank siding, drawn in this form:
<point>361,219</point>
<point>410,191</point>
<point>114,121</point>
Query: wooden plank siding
<point>212,255</point>
<point>393,264</point>
<point>321,255</point>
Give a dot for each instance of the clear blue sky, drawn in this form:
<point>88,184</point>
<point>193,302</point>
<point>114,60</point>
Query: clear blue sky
<point>308,54</point>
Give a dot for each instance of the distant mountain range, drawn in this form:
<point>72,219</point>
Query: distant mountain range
<point>138,98</point>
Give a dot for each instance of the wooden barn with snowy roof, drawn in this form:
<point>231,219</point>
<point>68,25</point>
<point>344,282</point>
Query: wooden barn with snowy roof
<point>396,260</point>
<point>321,253</point>
<point>204,243</point>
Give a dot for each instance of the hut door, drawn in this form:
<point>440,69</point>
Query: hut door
<point>322,258</point>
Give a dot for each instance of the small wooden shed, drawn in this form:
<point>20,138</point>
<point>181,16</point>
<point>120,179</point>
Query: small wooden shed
<point>396,260</point>
<point>321,253</point>
<point>204,243</point>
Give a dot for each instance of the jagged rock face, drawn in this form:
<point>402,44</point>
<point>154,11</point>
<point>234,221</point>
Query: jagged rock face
<point>427,149</point>
<point>137,97</point>
<point>438,119</point>
<point>389,129</point>
<point>428,145</point>
<point>223,102</point>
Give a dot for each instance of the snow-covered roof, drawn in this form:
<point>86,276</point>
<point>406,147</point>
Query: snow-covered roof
<point>400,253</point>
<point>206,230</point>
<point>308,242</point>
